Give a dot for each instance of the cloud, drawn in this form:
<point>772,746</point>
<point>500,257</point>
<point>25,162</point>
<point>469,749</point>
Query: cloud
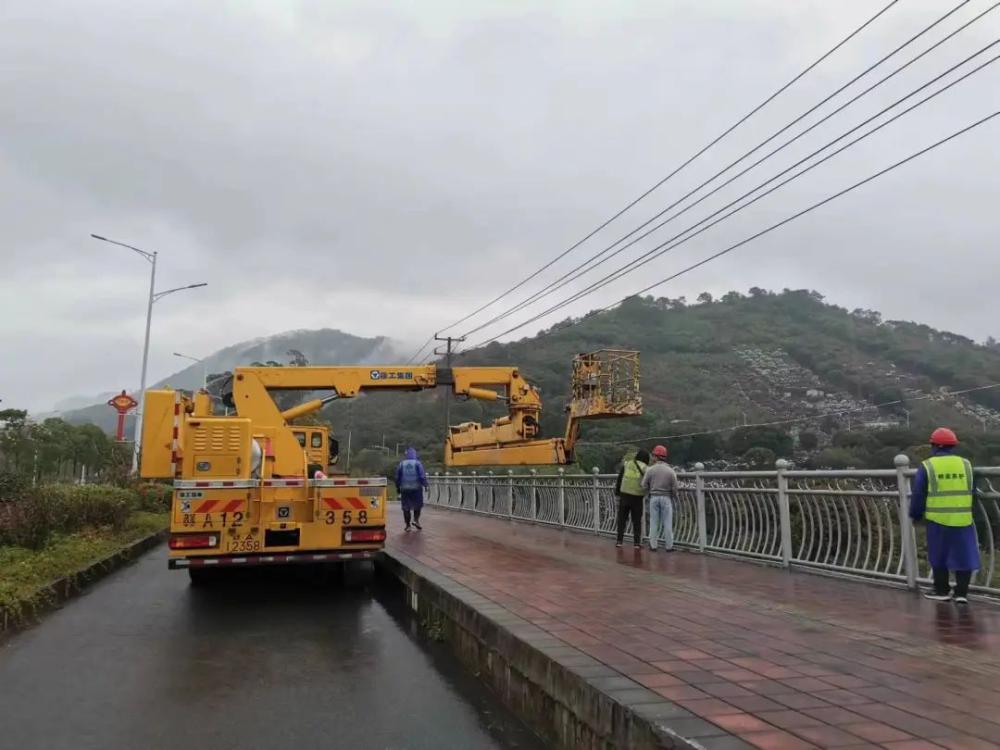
<point>385,169</point>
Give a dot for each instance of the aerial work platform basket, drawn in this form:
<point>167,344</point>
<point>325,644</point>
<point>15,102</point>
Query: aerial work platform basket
<point>606,384</point>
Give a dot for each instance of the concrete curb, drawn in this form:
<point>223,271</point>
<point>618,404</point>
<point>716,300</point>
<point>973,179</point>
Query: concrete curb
<point>62,590</point>
<point>570,698</point>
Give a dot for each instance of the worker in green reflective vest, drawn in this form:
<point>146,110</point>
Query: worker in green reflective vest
<point>942,494</point>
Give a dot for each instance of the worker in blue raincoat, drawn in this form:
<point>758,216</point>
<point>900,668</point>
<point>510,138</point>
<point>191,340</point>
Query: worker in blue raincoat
<point>942,494</point>
<point>411,481</point>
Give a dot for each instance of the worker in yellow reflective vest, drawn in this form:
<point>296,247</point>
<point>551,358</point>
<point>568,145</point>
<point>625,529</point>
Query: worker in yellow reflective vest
<point>942,494</point>
<point>630,496</point>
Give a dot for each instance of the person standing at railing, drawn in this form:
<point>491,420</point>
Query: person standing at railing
<point>660,484</point>
<point>942,494</point>
<point>630,496</point>
<point>411,481</point>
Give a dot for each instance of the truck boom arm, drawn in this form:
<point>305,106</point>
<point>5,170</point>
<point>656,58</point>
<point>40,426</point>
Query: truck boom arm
<point>251,399</point>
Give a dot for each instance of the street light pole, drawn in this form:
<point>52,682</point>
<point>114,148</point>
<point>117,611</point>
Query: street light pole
<point>137,434</point>
<point>153,297</point>
<point>204,368</point>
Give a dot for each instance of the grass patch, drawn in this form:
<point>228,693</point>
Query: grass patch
<point>25,573</point>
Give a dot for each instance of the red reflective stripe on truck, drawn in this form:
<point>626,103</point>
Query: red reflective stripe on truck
<point>344,503</point>
<point>217,506</point>
<point>175,445</point>
<point>284,482</point>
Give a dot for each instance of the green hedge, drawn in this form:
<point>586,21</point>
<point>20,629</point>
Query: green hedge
<point>64,508</point>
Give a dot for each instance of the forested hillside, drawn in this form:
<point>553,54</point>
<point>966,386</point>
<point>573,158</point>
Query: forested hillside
<point>744,359</point>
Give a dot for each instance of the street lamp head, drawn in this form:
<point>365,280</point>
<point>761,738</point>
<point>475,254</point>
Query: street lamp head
<point>151,257</point>
<point>160,295</point>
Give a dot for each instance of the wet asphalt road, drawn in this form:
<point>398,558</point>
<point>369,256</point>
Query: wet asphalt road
<point>270,661</point>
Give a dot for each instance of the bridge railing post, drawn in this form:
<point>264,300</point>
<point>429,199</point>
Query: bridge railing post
<point>491,487</point>
<point>510,493</point>
<point>534,490</point>
<point>561,510</point>
<point>906,538</point>
<point>784,512</point>
<point>699,496</point>
<point>597,500</point>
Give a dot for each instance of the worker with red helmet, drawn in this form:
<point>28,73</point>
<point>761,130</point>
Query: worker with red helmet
<point>660,484</point>
<point>942,494</point>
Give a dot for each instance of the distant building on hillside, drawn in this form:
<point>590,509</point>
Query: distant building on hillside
<point>882,424</point>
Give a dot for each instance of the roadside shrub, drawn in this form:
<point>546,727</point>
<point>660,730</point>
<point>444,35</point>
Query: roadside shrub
<point>153,498</point>
<point>58,508</point>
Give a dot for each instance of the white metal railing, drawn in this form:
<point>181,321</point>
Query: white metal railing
<point>852,523</point>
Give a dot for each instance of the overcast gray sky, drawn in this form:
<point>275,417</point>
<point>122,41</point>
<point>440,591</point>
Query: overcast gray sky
<point>384,168</point>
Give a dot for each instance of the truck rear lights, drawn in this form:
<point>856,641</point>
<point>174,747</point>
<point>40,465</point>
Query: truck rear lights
<point>194,541</point>
<point>356,536</point>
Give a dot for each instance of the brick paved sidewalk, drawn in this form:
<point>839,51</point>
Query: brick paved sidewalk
<point>782,660</point>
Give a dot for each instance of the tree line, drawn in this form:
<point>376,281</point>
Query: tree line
<point>55,450</point>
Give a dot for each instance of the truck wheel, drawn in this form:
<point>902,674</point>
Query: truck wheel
<point>201,576</point>
<point>358,573</point>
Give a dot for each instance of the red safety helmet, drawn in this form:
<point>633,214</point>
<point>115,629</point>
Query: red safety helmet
<point>660,451</point>
<point>943,436</point>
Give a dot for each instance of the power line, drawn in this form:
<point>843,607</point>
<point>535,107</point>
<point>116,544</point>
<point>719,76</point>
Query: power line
<point>678,169</point>
<point>674,242</point>
<point>772,227</point>
<point>775,423</point>
<point>597,260</point>
<point>670,243</point>
<point>419,351</point>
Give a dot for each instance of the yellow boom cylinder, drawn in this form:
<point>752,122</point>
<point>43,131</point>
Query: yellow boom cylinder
<point>307,408</point>
<point>483,394</point>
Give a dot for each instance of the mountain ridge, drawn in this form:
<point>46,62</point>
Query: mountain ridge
<point>321,345</point>
<point>707,368</point>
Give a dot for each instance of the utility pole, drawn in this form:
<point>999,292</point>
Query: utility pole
<point>449,341</point>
